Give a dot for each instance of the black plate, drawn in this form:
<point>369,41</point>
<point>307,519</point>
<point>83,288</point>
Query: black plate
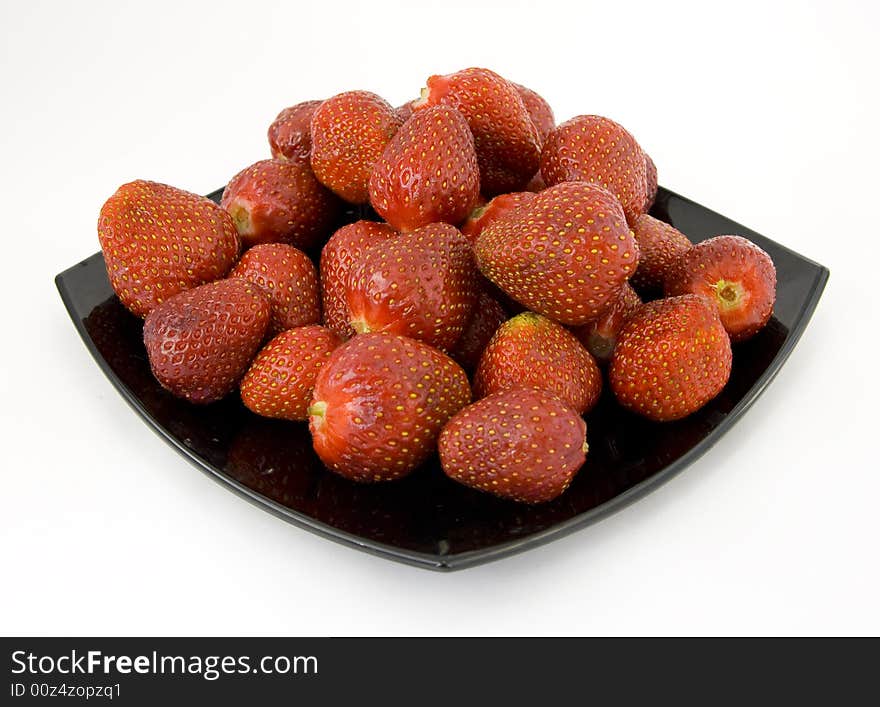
<point>426,519</point>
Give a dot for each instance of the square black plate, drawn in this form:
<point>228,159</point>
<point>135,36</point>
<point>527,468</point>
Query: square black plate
<point>426,519</point>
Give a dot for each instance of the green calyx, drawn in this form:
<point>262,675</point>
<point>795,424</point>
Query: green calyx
<point>241,218</point>
<point>360,326</point>
<point>318,410</point>
<point>729,293</point>
<point>526,319</point>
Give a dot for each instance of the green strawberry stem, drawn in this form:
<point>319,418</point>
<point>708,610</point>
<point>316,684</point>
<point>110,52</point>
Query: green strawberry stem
<point>241,218</point>
<point>729,293</point>
<point>317,411</point>
<point>360,326</point>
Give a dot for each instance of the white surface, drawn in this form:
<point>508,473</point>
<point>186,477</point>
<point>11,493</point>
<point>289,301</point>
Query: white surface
<point>766,113</point>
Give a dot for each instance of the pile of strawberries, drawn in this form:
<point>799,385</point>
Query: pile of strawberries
<point>512,262</point>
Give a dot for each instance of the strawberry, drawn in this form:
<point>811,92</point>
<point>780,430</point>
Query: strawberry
<point>565,254</point>
<point>487,316</point>
<point>379,403</point>
<point>419,284</point>
<point>276,201</point>
<point>522,444</point>
<point>539,111</point>
<point>600,335</point>
<point>590,148</point>
<point>290,134</point>
<point>404,111</point>
<point>201,341</point>
<point>533,351</point>
<point>349,133</point>
<point>158,240</point>
<point>651,181</point>
<point>339,255</point>
<point>488,213</point>
<point>660,246</point>
<point>507,142</point>
<point>672,357</point>
<point>428,172</point>
<point>737,276</point>
<point>281,378</point>
<point>289,279</point>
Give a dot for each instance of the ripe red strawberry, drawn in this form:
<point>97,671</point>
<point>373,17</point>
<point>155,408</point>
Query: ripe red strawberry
<point>379,404</point>
<point>660,247</point>
<point>342,252</point>
<point>737,276</point>
<point>289,279</point>
<point>158,240</point>
<point>487,316</point>
<point>590,148</point>
<point>349,133</point>
<point>565,254</point>
<point>539,111</point>
<point>507,142</point>
<point>420,284</point>
<point>522,444</point>
<point>651,181</point>
<point>488,213</point>
<point>281,378</point>
<point>428,172</point>
<point>201,341</point>
<point>600,335</point>
<point>533,351</point>
<point>276,201</point>
<point>672,357</point>
<point>290,134</point>
<point>404,111</point>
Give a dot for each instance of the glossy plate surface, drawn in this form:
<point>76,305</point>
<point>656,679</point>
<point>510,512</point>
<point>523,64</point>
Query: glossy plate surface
<point>426,519</point>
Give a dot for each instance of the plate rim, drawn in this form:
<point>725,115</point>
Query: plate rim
<point>471,558</point>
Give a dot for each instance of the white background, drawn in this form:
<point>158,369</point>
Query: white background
<point>765,112</point>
